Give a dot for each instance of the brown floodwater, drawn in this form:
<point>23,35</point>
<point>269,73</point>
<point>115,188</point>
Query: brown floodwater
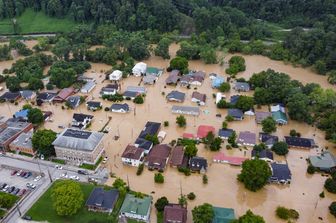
<point>223,189</point>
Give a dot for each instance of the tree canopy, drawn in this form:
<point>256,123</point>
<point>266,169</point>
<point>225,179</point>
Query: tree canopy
<point>42,141</point>
<point>249,217</point>
<point>268,125</point>
<point>203,213</point>
<point>254,174</point>
<point>67,197</point>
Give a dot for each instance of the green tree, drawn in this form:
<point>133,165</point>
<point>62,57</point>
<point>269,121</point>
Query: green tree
<point>35,84</point>
<point>42,141</point>
<point>137,47</point>
<point>188,50</point>
<point>191,196</point>
<point>181,121</point>
<point>182,200</point>
<point>332,77</point>
<point>179,63</point>
<point>224,125</point>
<point>138,100</point>
<point>161,203</point>
<point>216,144</point>
<point>190,150</point>
<point>158,178</point>
<point>152,138</point>
<point>208,55</point>
<point>298,107</point>
<point>332,208</point>
<point>250,217</point>
<point>232,138</point>
<point>162,48</point>
<point>62,49</point>
<point>269,125</point>
<point>67,197</point>
<point>280,148</point>
<point>203,213</point>
<point>13,84</point>
<point>236,64</point>
<point>245,103</point>
<point>7,200</point>
<point>35,116</point>
<point>119,183</point>
<point>286,214</point>
<point>224,87</point>
<point>330,185</point>
<point>254,174</point>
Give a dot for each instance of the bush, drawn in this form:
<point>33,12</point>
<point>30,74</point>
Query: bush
<point>140,169</point>
<point>332,208</point>
<point>287,214</point>
<point>280,148</point>
<point>191,196</point>
<point>205,179</point>
<point>184,170</point>
<point>330,185</point>
<point>138,100</point>
<point>161,203</point>
<point>165,123</point>
<point>106,109</point>
<point>159,178</point>
<point>311,169</point>
<point>181,121</point>
<point>322,194</point>
<point>229,118</point>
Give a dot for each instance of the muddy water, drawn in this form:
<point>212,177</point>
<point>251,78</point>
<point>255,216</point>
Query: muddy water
<point>223,188</point>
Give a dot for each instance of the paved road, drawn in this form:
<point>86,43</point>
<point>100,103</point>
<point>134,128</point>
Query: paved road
<point>49,171</point>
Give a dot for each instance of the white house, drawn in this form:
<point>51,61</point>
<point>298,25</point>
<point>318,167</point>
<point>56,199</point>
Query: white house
<point>277,107</point>
<point>133,156</point>
<point>115,75</point>
<point>139,69</point>
<point>219,97</point>
<point>110,89</point>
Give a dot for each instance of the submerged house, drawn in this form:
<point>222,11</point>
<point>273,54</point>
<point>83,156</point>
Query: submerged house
<point>120,108</point>
<point>116,75</point>
<point>81,121</point>
<point>217,82</point>
<point>176,96</point>
<point>154,71</point>
<point>267,139</point>
<point>325,161</point>
<point>102,200</point>
<point>280,174</point>
<point>246,138</point>
<point>157,158</point>
<point>198,164</point>
<point>299,142</point>
<point>63,95</point>
<point>133,156</point>
<point>173,77</point>
<point>242,86</point>
<point>236,113</point>
<point>139,69</point>
<point>185,110</point>
<point>198,98</point>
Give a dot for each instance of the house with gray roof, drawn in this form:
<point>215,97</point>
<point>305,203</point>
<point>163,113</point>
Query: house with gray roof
<point>23,143</point>
<point>120,108</point>
<point>246,138</point>
<point>150,79</point>
<point>101,200</point>
<point>185,110</point>
<point>176,96</point>
<point>225,133</point>
<point>325,161</point>
<point>28,94</point>
<point>136,208</point>
<point>281,174</point>
<point>79,146</point>
<point>80,120</point>
<point>237,114</point>
<point>73,101</point>
<point>267,139</point>
<point>130,95</point>
<point>138,89</point>
<point>242,86</point>
<point>88,87</point>
<point>260,116</point>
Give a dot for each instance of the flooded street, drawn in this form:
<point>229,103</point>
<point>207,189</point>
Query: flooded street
<point>222,189</point>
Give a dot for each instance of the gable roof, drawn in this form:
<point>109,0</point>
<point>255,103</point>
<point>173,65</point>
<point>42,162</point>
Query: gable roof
<point>131,94</point>
<point>88,86</point>
<point>158,156</point>
<point>299,142</point>
<point>242,86</point>
<point>120,106</point>
<point>260,116</point>
<point>203,131</point>
<point>173,77</point>
<point>9,96</point>
<point>94,104</point>
<point>223,215</point>
<point>101,198</point>
<point>177,156</point>
<point>217,81</point>
<point>132,152</point>
<point>235,113</point>
<point>175,96</point>
<point>247,137</point>
<point>151,128</point>
<point>234,99</point>
<point>279,116</point>
<point>226,133</point>
<point>80,117</point>
<point>199,96</point>
<point>265,153</point>
<point>64,93</point>
<point>233,160</point>
<point>23,113</point>
<point>149,79</point>
<point>143,143</point>
<point>175,213</point>
<point>280,172</point>
<point>268,139</point>
<point>138,89</point>
<point>134,205</point>
<point>74,101</point>
<point>27,94</point>
<point>198,163</point>
<point>46,96</point>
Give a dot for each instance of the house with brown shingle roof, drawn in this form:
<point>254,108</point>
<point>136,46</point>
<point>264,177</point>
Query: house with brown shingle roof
<point>64,94</point>
<point>198,98</point>
<point>133,156</point>
<point>157,158</point>
<point>175,213</point>
<point>178,158</point>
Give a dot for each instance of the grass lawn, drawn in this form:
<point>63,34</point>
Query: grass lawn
<point>42,210</point>
<point>91,167</point>
<point>58,161</point>
<point>36,22</point>
<point>11,202</point>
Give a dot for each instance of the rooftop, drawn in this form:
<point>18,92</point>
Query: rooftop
<point>175,213</point>
<point>101,198</point>
<point>223,215</point>
<point>203,131</point>
<point>132,152</point>
<point>299,142</point>
<point>23,140</point>
<point>325,160</point>
<point>78,139</point>
<point>134,205</point>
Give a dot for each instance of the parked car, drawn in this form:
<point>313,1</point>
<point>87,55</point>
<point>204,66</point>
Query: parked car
<point>19,172</point>
<point>59,167</point>
<point>23,174</point>
<point>11,189</point>
<point>74,178</point>
<point>64,175</point>
<point>28,174</point>
<point>5,188</point>
<point>27,217</point>
<point>16,191</point>
<point>105,159</point>
<point>84,172</point>
<point>22,192</point>
<point>92,180</point>
<point>31,186</point>
<point>37,178</point>
<point>14,172</point>
<point>3,185</point>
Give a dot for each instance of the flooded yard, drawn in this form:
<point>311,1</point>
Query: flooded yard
<point>223,189</point>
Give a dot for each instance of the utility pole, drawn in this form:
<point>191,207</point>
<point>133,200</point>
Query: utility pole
<point>50,178</point>
<point>17,207</point>
<point>38,163</point>
<point>128,184</point>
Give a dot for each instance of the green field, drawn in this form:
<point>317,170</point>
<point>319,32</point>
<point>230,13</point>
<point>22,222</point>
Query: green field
<point>36,22</point>
<point>42,210</point>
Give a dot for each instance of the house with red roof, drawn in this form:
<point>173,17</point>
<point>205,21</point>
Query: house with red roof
<point>64,94</point>
<point>232,160</point>
<point>203,131</point>
<point>188,135</point>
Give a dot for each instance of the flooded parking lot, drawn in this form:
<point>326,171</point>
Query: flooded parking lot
<point>223,189</point>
